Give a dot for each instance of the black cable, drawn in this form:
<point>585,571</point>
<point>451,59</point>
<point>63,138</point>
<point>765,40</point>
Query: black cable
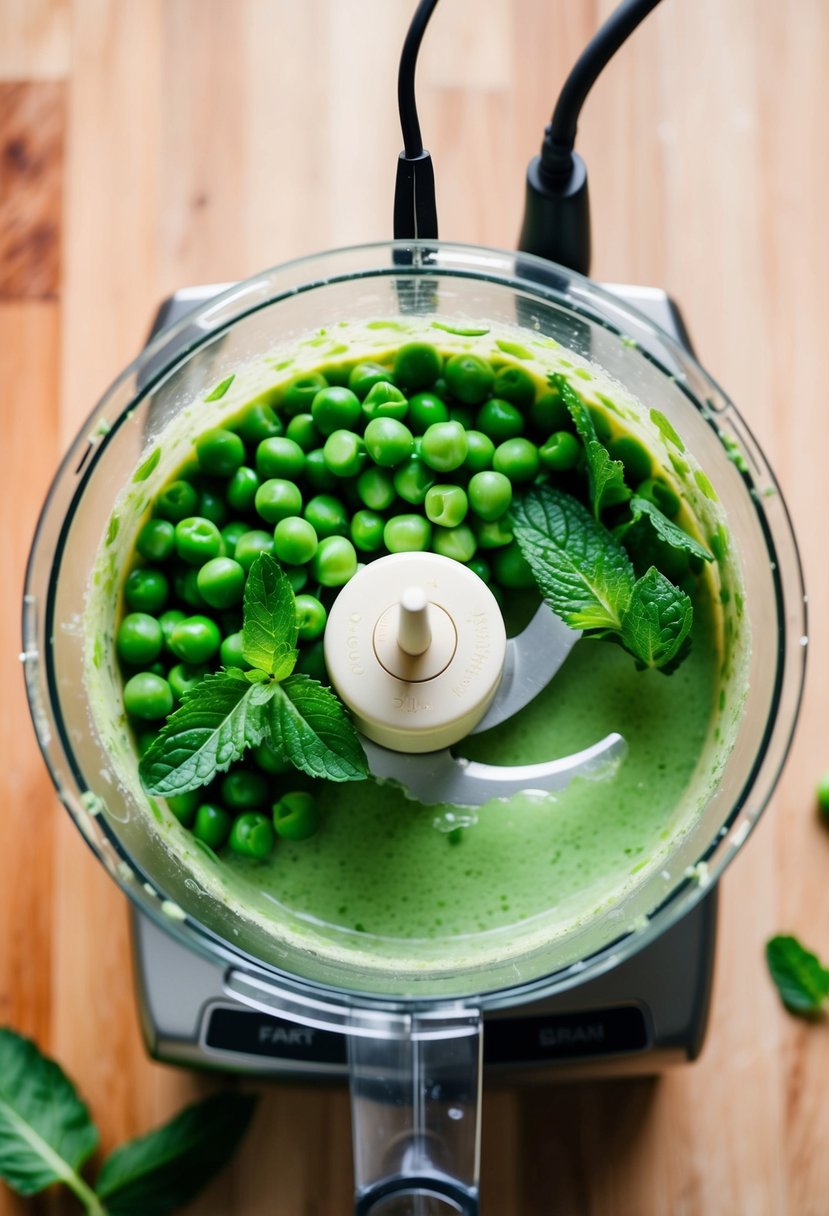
<point>415,209</point>
<point>560,136</point>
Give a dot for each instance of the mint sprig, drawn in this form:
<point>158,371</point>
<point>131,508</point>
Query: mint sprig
<point>605,476</point>
<point>647,519</point>
<point>233,710</point>
<point>800,977</point>
<point>587,578</point>
<point>47,1136</point>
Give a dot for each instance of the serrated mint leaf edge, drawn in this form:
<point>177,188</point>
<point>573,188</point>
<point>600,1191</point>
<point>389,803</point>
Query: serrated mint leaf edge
<point>666,529</point>
<point>287,700</point>
<point>681,598</point>
<point>262,622</point>
<point>603,472</point>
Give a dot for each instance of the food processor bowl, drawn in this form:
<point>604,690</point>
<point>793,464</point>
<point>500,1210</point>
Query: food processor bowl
<point>413,1022</point>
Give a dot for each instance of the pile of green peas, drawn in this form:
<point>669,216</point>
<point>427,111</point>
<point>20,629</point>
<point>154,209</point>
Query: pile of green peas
<point>339,466</point>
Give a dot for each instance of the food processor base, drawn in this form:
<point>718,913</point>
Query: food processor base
<point>648,1012</point>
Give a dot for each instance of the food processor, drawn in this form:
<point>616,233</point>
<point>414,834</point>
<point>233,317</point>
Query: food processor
<point>628,988</point>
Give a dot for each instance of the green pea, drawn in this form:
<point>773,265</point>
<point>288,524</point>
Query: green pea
<point>548,413</point>
<point>221,582</point>
<point>302,431</point>
<point>417,365</point>
<point>144,740</point>
<point>458,543</point>
<point>561,452</point>
<point>327,516</point>
<point>375,488</point>
<point>634,457</point>
<point>139,639</point>
<point>252,835</point>
<point>479,452</point>
<point>232,533</point>
<point>407,534</point>
<point>258,422</point>
<point>310,617</point>
<point>317,473</point>
<point>146,590</point>
<point>270,760</point>
<point>463,414</point>
<point>413,480</point>
<point>212,825</point>
<point>345,453</point>
<point>176,501</point>
<point>157,540</point>
<point>294,540</point>
<point>241,489</point>
<point>298,395</point>
<point>481,567</point>
<point>500,420</point>
<point>295,815</point>
<point>514,384</point>
<point>244,790</point>
<point>182,677</point>
<point>388,442</point>
<point>297,576</point>
<point>511,568</point>
<point>469,378</point>
<point>195,639</point>
<point>385,401</point>
<point>184,806</point>
<point>446,505</point>
<point>277,499</point>
<point>660,494</point>
<point>250,545</point>
<point>279,457</point>
<point>197,540</point>
<point>517,459</point>
<point>168,621</point>
<point>444,446</point>
<point>148,697</point>
<point>335,409</point>
<point>424,410</point>
<point>220,453</point>
<point>230,651</point>
<point>311,662</point>
<point>490,494</point>
<point>363,377</point>
<point>212,507</point>
<point>334,562</point>
<point>367,531</point>
<point>492,533</point>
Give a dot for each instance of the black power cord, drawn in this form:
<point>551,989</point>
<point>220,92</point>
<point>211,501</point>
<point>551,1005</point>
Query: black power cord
<point>415,209</point>
<point>557,211</point>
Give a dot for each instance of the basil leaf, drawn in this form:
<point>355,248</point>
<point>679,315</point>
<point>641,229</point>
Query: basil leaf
<point>801,979</point>
<point>221,388</point>
<point>164,1170</point>
<point>606,477</point>
<point>657,620</point>
<point>310,727</point>
<point>46,1133</point>
<point>648,514</point>
<point>269,631</point>
<point>583,573</point>
<point>217,719</point>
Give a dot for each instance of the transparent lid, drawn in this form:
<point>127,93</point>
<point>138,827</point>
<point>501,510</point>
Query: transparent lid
<point>322,310</point>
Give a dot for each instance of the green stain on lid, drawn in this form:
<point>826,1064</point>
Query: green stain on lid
<point>659,420</point>
<point>143,471</point>
<point>514,348</point>
<point>221,388</point>
<point>705,485</point>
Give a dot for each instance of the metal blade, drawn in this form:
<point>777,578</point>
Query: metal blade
<point>436,777</point>
<point>533,657</point>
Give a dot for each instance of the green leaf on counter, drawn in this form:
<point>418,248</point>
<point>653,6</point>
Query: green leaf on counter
<point>801,979</point>
<point>269,631</point>
<point>46,1133</point>
<point>162,1171</point>
<point>309,725</point>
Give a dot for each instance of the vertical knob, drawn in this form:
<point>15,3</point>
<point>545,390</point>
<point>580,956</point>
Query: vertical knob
<point>414,635</point>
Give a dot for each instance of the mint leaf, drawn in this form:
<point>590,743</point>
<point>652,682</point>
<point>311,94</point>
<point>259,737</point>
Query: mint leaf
<point>657,620</point>
<point>269,631</point>
<point>582,572</point>
<point>164,1170</point>
<point>801,979</point>
<point>606,477</point>
<point>310,727</point>
<point>646,513</point>
<point>46,1133</point>
<point>217,719</point>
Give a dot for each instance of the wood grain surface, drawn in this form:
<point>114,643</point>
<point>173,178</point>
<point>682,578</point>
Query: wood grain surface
<point>164,142</point>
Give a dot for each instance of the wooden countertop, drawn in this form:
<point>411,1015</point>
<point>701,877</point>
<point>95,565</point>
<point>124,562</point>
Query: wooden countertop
<point>145,145</point>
